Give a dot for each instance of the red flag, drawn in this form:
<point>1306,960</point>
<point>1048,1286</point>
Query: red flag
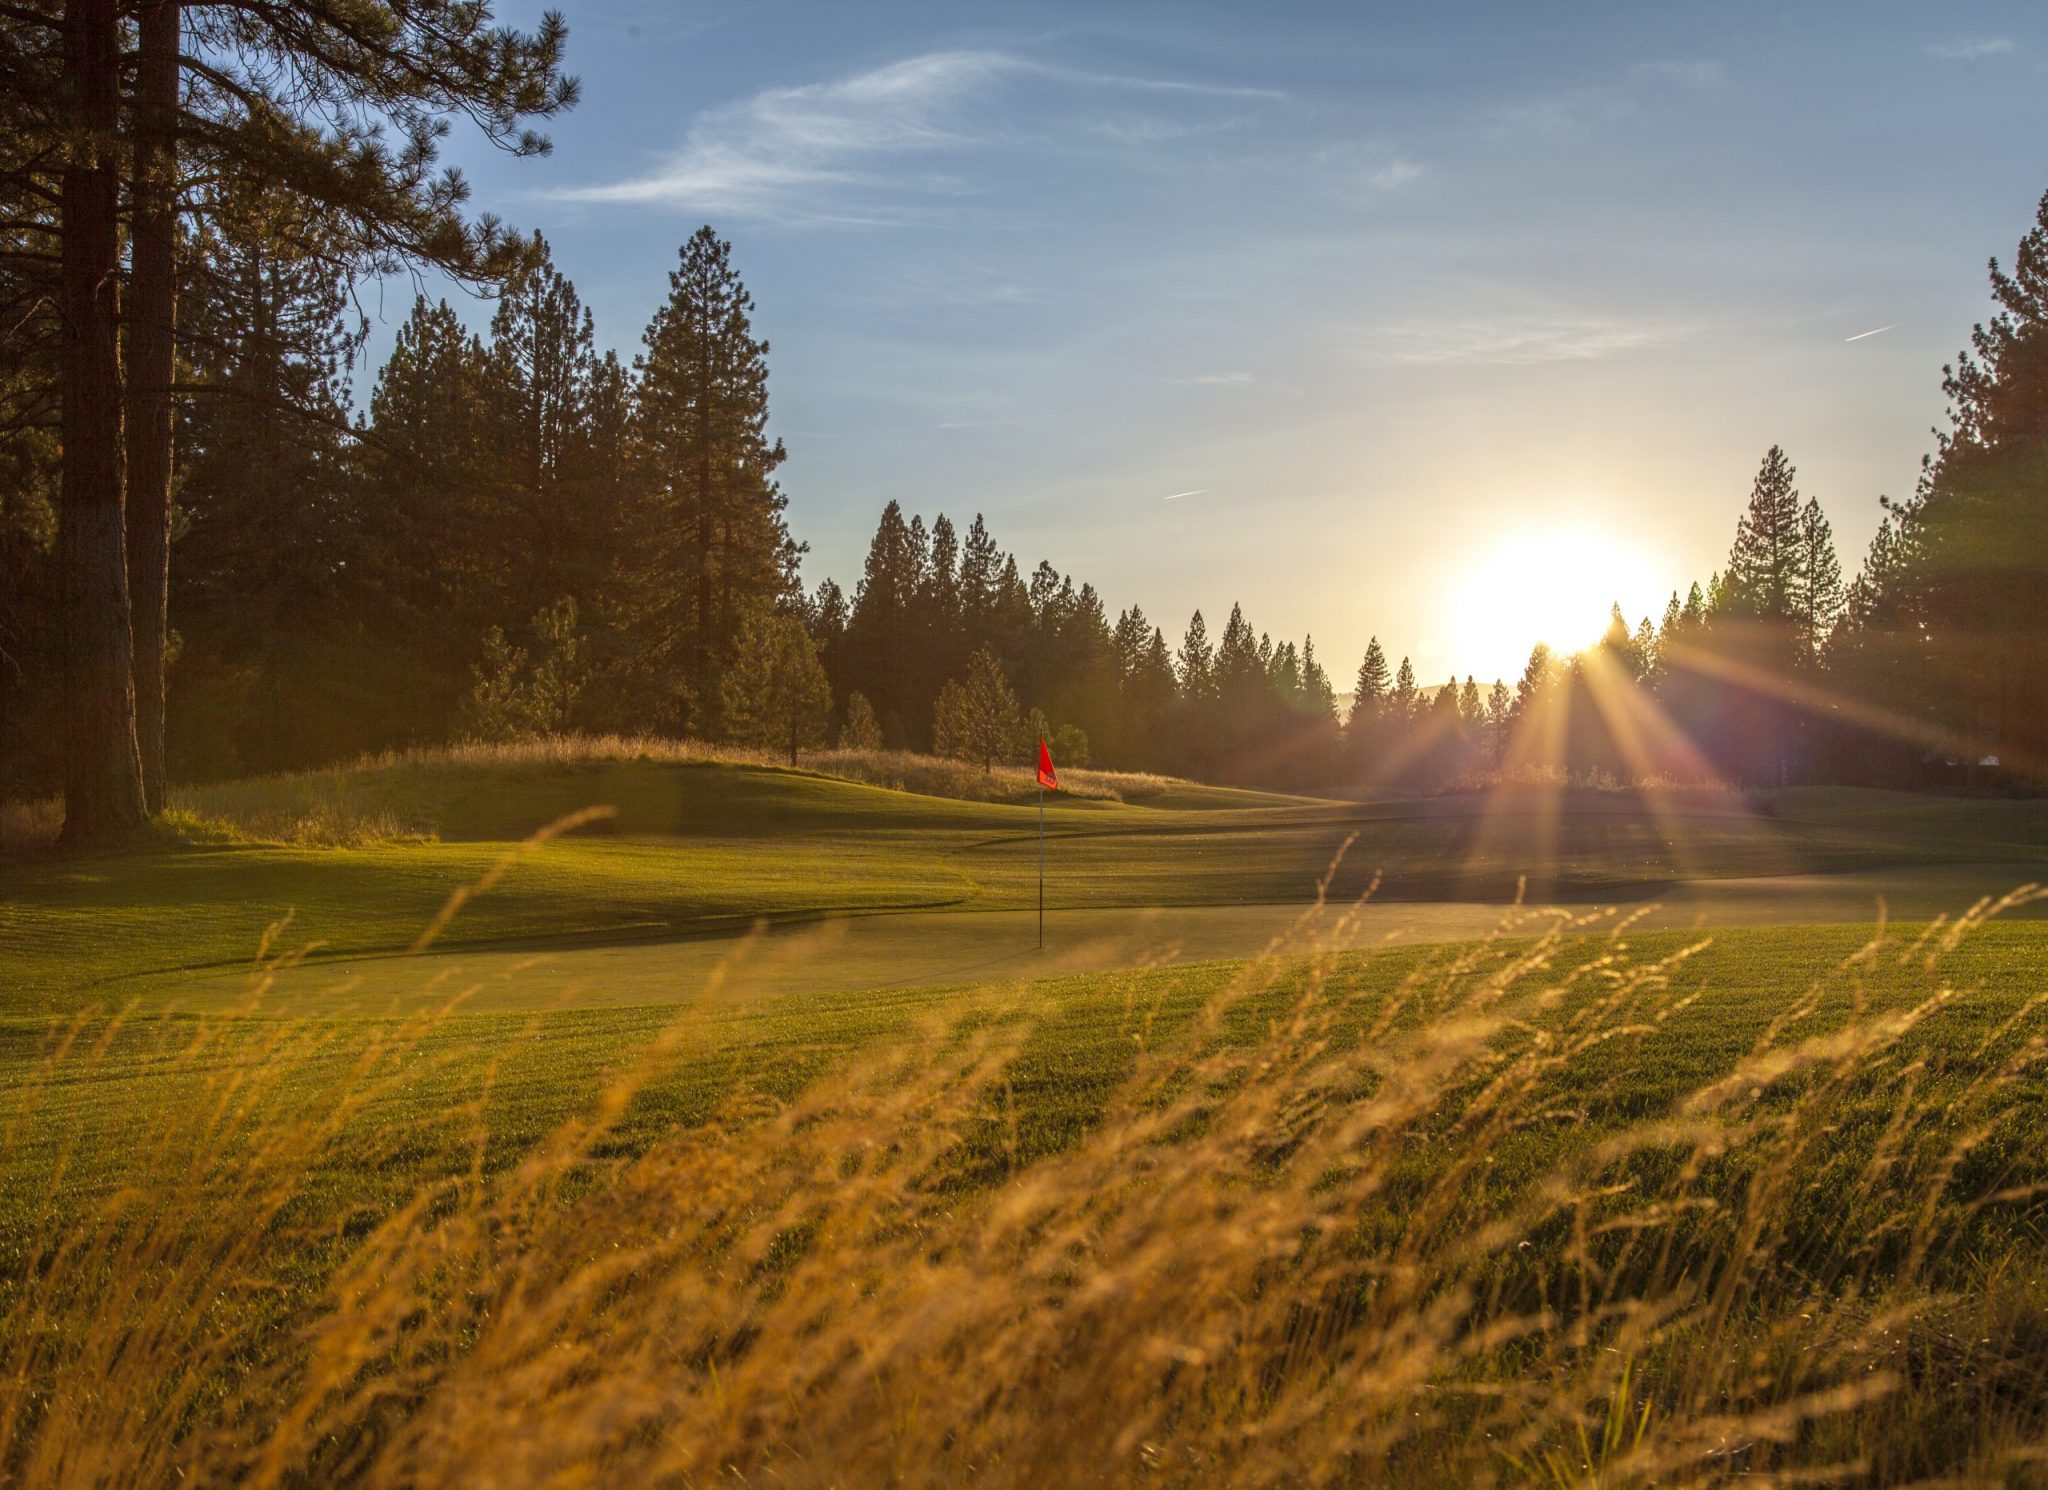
<point>1046,775</point>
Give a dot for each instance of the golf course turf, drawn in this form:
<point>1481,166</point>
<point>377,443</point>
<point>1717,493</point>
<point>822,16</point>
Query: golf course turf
<point>729,937</point>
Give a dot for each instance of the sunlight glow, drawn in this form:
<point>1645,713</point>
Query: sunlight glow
<point>1554,587</point>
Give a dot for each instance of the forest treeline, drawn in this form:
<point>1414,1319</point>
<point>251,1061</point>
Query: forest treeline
<point>217,558</point>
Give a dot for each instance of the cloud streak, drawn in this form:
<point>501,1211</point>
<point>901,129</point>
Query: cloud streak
<point>801,152</point>
<point>1518,341</point>
<point>1606,103</point>
<point>1974,49</point>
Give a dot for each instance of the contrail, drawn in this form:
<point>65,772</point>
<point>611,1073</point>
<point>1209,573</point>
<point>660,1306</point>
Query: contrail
<point>1879,332</point>
<point>1198,491</point>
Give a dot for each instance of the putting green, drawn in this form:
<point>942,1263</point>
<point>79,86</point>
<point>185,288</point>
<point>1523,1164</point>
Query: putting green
<point>846,954</point>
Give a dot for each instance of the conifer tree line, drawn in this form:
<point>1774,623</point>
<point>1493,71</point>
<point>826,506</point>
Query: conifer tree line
<point>216,559</point>
<point>933,606</point>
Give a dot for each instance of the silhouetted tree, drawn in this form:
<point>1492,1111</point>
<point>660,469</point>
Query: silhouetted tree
<point>977,719</point>
<point>860,732</point>
<point>776,695</point>
<point>712,538</point>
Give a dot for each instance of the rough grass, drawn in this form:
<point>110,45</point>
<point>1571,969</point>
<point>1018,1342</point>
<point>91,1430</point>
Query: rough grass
<point>1571,1205</point>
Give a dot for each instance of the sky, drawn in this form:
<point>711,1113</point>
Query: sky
<point>1447,324</point>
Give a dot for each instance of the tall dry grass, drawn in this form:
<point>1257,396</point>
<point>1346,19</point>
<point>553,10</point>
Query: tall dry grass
<point>898,770</point>
<point>1326,1234</point>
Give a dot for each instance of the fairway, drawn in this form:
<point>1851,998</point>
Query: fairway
<point>847,953</point>
<point>696,857</point>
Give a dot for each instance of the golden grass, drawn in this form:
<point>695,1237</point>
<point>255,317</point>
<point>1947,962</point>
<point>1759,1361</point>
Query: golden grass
<point>1321,1237</point>
<point>899,770</point>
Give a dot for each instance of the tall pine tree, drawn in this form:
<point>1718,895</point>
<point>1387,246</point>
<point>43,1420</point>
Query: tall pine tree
<point>711,532</point>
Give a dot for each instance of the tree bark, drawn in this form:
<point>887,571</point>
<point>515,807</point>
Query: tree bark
<point>152,367</point>
<point>102,770</point>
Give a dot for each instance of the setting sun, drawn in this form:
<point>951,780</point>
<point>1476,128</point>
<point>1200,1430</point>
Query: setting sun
<point>1555,588</point>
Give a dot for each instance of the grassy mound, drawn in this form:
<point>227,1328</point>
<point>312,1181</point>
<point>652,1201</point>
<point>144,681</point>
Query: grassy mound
<point>475,790</point>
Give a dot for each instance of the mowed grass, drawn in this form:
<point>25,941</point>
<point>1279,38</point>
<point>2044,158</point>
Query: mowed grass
<point>375,1249</point>
<point>1578,1203</point>
<point>695,848</point>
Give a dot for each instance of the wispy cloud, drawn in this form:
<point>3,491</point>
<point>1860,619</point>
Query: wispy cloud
<point>1609,102</point>
<point>1973,49</point>
<point>1519,340</point>
<point>1158,131</point>
<point>1363,169</point>
<point>1216,380</point>
<point>958,288</point>
<point>1200,491</point>
<point>828,150</point>
<point>1866,335</point>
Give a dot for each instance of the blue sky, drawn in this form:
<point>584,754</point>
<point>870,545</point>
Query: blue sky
<point>1392,289</point>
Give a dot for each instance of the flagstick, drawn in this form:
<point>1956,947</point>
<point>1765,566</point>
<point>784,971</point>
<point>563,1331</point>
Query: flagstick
<point>1041,867</point>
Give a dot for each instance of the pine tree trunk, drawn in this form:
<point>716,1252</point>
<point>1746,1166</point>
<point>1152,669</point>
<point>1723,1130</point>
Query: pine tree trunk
<point>152,331</point>
<point>103,799</point>
<point>701,662</point>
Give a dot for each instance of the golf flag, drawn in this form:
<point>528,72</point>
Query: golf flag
<point>1046,775</point>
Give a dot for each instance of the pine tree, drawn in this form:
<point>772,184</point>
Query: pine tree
<point>1645,649</point>
<point>1500,715</point>
<point>943,611</point>
<point>1821,596</point>
<point>1195,745</point>
<point>1766,563</point>
<point>1539,676</point>
<point>1151,693</point>
<point>103,793</point>
<point>1197,663</point>
<point>517,694</point>
<point>1402,702</point>
<point>981,569</point>
<point>1470,708</point>
<point>860,732</point>
<point>429,514</point>
<point>1694,616</point>
<point>977,719</point>
<point>280,525</point>
<point>828,617</point>
<point>714,537</point>
<point>882,635</point>
<point>151,371</point>
<point>776,694</point>
<point>1318,697</point>
<point>306,93</point>
<point>1240,673</point>
<point>1968,571</point>
<point>1369,692</point>
<point>1674,619</point>
<point>543,385</point>
<point>1616,645</point>
<point>1129,637</point>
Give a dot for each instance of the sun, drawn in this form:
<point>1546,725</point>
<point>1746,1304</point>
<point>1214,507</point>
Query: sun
<point>1551,587</point>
